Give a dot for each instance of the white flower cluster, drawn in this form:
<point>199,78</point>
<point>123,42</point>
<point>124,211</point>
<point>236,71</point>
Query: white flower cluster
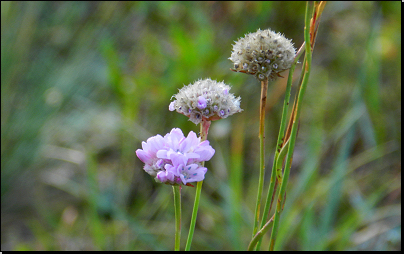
<point>207,99</point>
<point>263,54</point>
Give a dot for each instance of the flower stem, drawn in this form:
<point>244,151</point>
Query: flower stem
<point>264,88</point>
<point>205,124</point>
<point>259,235</point>
<point>295,118</point>
<point>280,143</point>
<point>177,211</point>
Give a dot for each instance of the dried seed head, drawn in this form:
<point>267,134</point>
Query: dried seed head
<point>264,50</point>
<point>207,99</point>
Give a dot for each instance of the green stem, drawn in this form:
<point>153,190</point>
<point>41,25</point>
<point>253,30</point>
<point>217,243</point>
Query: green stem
<point>264,88</point>
<point>307,68</point>
<point>259,235</point>
<point>177,211</point>
<point>204,134</point>
<point>279,143</point>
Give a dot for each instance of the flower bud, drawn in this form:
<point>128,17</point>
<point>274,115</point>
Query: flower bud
<point>263,54</point>
<point>206,99</point>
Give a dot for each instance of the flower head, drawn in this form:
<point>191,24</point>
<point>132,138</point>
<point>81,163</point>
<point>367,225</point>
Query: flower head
<point>263,54</point>
<point>207,99</point>
<point>174,158</point>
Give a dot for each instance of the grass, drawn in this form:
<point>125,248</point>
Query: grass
<point>84,83</point>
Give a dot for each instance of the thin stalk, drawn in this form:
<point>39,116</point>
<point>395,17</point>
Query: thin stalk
<point>307,68</point>
<point>260,234</point>
<point>264,88</point>
<point>204,135</point>
<point>280,142</point>
<point>177,211</point>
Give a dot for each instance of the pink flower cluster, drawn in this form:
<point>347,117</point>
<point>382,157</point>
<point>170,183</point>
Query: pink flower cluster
<point>174,158</point>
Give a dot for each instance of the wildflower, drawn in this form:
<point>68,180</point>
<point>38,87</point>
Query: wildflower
<point>174,158</point>
<point>206,99</point>
<point>263,54</point>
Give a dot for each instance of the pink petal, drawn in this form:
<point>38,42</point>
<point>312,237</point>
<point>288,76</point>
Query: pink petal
<point>143,156</point>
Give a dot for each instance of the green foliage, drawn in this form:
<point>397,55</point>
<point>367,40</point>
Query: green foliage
<point>83,83</point>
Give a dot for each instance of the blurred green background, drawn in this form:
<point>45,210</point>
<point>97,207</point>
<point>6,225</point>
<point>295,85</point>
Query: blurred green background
<point>84,83</point>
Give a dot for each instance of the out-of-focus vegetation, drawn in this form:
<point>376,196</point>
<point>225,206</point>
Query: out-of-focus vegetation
<point>83,83</point>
